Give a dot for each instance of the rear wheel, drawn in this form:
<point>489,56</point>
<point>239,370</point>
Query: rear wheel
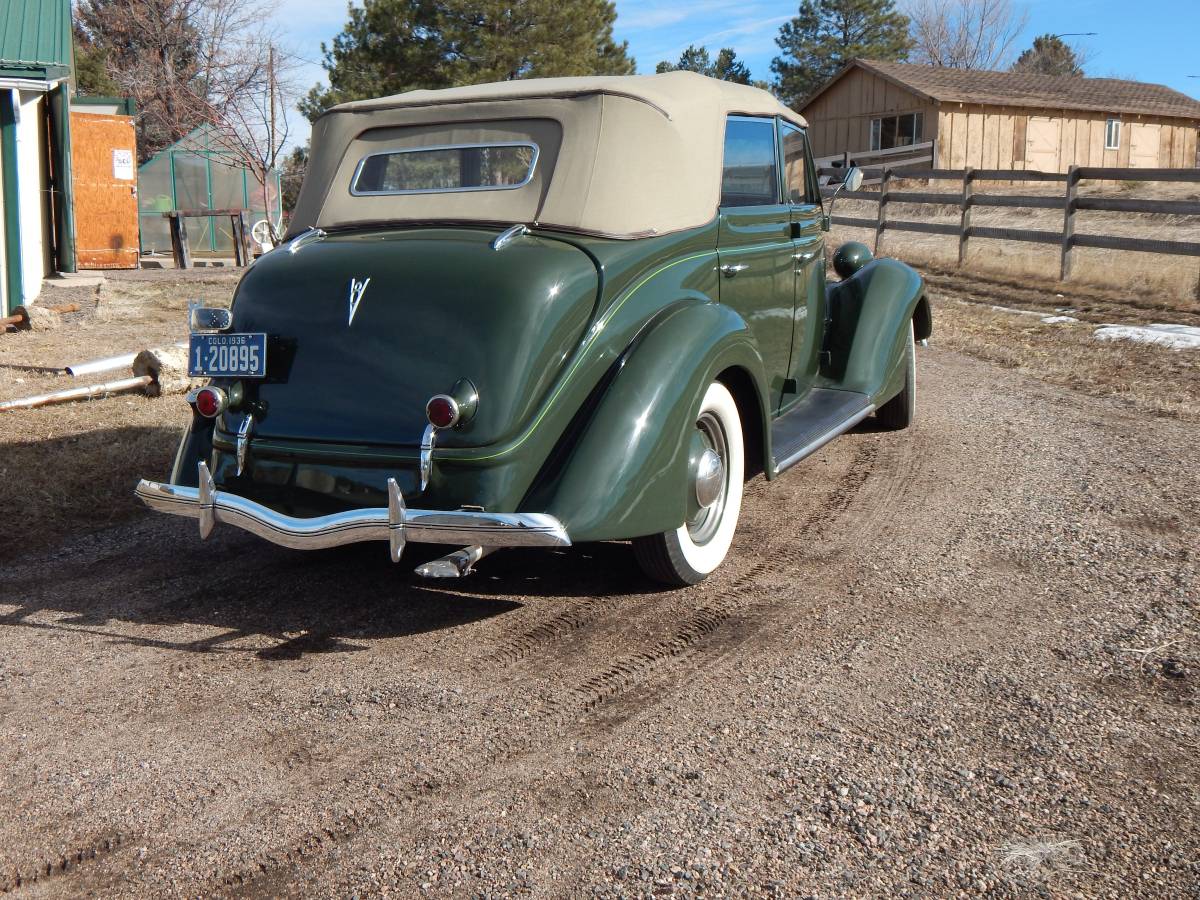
<point>716,471</point>
<point>900,411</point>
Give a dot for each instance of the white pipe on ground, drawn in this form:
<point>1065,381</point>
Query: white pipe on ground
<point>124,385</point>
<point>124,361</point>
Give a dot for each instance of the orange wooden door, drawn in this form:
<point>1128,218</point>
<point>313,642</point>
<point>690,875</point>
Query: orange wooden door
<point>104,166</point>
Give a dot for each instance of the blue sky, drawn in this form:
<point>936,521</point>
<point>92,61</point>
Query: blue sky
<point>1130,42</point>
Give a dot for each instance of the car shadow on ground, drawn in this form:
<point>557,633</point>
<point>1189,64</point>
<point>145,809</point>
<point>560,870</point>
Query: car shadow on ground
<point>158,576</point>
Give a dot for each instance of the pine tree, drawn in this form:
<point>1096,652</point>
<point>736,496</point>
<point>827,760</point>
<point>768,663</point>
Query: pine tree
<point>696,59</point>
<point>390,46</point>
<point>827,34</point>
<point>90,71</point>
<point>1049,55</point>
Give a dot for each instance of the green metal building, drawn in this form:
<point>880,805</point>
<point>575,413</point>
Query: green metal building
<point>37,226</point>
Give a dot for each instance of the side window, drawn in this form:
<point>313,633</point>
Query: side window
<point>750,176</point>
<point>795,167</point>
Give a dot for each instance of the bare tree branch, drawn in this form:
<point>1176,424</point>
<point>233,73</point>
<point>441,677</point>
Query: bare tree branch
<point>965,34</point>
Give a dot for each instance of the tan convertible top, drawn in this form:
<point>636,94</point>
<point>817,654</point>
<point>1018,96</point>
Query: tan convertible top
<point>618,155</point>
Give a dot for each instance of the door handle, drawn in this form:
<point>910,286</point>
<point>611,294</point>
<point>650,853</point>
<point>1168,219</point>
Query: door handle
<point>804,257</point>
<point>730,270</point>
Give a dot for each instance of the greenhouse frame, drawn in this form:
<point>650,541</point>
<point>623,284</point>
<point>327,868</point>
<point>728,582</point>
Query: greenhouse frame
<point>197,172</point>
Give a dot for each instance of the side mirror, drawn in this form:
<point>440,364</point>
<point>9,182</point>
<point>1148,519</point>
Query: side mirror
<point>852,181</point>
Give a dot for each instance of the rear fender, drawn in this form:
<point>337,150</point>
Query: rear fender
<point>870,313</point>
<point>623,473</point>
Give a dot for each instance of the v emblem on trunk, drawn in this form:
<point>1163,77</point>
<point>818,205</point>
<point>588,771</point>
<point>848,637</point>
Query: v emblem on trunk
<point>357,289</point>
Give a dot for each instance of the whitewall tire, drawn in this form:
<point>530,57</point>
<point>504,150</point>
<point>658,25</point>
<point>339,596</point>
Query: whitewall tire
<point>687,554</point>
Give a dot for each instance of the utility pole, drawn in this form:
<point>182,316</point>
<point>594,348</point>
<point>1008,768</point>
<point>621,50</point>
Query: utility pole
<point>270,143</point>
<point>271,88</point>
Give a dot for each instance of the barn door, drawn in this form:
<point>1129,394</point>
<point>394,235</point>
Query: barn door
<point>1041,143</point>
<point>1143,146</point>
<point>104,164</point>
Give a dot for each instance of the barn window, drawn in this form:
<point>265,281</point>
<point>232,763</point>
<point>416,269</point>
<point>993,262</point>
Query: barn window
<point>1112,134</point>
<point>896,131</point>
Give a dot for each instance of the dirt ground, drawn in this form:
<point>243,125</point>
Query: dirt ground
<point>955,660</point>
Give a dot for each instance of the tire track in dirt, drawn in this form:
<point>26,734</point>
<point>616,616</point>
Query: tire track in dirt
<point>528,642</point>
<point>563,714</point>
<point>66,862</point>
<point>560,715</point>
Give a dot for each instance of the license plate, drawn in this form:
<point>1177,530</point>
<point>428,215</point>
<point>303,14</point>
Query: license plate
<point>228,356</point>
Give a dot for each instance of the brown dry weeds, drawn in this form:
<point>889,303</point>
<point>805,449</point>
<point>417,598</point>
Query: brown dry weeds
<point>1152,379</point>
<point>71,468</point>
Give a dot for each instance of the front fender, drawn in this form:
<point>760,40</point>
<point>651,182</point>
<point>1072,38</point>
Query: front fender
<point>623,472</point>
<point>870,313</point>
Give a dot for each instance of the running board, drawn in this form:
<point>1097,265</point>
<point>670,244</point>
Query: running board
<point>812,423</point>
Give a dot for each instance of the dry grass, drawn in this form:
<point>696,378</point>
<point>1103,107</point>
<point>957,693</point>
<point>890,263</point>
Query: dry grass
<point>1151,379</point>
<point>71,468</point>
<point>1037,860</point>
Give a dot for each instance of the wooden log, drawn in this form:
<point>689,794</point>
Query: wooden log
<point>167,369</point>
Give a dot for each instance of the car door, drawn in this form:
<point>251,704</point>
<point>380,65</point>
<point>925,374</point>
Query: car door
<point>808,258</point>
<point>755,245</point>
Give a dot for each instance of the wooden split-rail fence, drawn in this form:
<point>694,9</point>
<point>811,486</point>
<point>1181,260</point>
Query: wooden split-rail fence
<point>968,199</point>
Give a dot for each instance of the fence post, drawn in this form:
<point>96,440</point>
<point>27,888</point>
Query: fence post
<point>883,201</point>
<point>964,223</point>
<point>179,241</point>
<point>1068,238</point>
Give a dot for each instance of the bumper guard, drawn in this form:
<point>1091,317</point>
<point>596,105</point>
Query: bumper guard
<point>394,523</point>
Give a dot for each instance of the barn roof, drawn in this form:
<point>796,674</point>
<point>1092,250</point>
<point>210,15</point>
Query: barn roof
<point>1109,95</point>
<point>35,39</point>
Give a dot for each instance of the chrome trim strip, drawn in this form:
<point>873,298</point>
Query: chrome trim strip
<point>508,235</point>
<point>312,233</point>
<point>355,192</point>
<point>427,441</point>
<point>395,523</point>
<point>206,502</point>
<point>243,441</point>
<point>817,443</point>
<point>396,514</point>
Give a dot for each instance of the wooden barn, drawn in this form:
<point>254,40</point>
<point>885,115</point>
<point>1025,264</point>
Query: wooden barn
<point>1003,120</point>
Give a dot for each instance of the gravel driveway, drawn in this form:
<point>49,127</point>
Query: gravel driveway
<point>957,659</point>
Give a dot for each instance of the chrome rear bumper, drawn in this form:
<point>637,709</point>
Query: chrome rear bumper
<point>394,523</point>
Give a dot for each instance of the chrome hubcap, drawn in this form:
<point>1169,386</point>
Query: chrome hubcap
<point>708,476</point>
<point>710,479</point>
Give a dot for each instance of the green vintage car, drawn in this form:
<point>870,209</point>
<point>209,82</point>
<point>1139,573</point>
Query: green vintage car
<point>539,313</point>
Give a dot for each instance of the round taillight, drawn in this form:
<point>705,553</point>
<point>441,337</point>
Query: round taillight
<point>210,402</point>
<point>442,411</point>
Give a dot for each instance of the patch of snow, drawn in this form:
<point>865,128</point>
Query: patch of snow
<point>1172,337</point>
<point>1019,312</point>
<point>1058,320</point>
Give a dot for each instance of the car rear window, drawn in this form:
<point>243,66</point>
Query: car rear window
<point>458,167</point>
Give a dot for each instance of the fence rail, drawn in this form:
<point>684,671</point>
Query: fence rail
<point>967,200</point>
<point>895,158</point>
